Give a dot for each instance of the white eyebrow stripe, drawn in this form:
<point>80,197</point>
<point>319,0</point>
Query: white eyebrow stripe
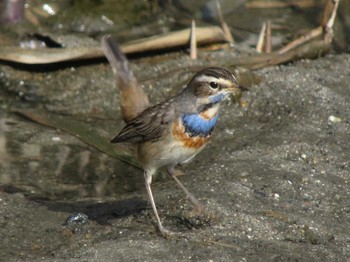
<point>208,79</point>
<point>205,78</point>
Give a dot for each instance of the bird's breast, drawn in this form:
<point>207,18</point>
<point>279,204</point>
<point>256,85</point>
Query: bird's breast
<point>194,130</point>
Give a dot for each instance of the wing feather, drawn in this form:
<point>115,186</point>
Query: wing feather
<point>149,125</point>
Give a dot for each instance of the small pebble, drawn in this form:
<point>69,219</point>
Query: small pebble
<point>334,119</point>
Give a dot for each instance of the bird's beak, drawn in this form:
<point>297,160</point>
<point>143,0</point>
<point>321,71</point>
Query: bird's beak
<point>242,88</point>
<point>237,88</point>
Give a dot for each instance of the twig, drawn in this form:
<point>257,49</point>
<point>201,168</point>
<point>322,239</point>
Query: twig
<point>224,26</point>
<point>311,50</point>
<point>261,39</point>
<point>204,35</point>
<point>301,40</point>
<point>282,4</point>
<point>268,44</point>
<point>325,28</point>
<point>329,26</point>
<point>264,41</point>
<point>327,12</point>
<point>193,41</point>
<point>333,14</point>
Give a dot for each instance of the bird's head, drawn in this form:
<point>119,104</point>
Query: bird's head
<point>213,85</point>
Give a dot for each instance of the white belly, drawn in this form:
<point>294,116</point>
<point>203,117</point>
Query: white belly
<point>169,152</point>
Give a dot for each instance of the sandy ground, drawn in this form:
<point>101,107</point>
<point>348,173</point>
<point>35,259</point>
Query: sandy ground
<point>275,177</point>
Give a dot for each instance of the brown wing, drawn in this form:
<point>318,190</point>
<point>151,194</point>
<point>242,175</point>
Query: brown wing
<point>149,125</point>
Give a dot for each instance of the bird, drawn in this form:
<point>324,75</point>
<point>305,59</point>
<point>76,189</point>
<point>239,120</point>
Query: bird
<point>176,130</point>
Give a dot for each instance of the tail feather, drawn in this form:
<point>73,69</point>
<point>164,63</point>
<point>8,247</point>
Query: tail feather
<point>133,100</point>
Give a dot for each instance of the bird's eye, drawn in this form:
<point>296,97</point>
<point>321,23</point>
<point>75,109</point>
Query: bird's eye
<point>214,85</point>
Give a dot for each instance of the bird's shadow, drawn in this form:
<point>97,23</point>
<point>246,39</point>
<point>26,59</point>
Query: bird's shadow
<point>101,213</point>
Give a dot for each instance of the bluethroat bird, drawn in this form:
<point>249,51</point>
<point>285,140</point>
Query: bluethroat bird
<point>175,130</point>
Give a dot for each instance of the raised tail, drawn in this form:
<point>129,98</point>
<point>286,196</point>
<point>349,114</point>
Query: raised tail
<point>133,100</point>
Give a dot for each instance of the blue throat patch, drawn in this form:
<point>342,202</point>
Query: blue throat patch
<point>195,125</point>
<point>218,98</point>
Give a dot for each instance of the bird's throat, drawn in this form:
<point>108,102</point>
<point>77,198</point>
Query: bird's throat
<point>201,124</point>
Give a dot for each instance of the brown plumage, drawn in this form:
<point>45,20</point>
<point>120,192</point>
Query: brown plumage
<point>176,130</point>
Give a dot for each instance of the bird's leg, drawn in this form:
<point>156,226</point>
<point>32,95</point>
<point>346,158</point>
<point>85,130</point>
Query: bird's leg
<point>148,181</point>
<point>192,198</point>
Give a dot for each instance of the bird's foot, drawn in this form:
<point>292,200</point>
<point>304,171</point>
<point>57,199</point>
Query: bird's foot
<point>168,234</point>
